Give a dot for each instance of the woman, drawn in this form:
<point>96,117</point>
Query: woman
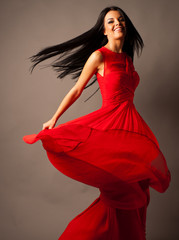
<point>111,148</point>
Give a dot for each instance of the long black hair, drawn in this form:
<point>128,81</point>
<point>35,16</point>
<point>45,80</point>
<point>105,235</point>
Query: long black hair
<point>73,53</point>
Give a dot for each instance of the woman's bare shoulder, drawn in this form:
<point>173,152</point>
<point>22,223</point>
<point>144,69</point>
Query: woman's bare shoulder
<point>97,56</point>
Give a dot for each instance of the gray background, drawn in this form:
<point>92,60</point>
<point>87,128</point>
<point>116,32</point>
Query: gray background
<point>36,200</point>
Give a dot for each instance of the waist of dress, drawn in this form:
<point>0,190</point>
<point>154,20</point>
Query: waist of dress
<point>118,99</point>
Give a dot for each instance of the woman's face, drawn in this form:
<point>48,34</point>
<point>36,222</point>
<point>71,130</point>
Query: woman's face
<point>114,25</point>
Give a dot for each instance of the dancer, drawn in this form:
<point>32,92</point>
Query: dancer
<point>112,148</point>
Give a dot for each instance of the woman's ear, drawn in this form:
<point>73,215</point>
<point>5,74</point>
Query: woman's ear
<point>104,30</point>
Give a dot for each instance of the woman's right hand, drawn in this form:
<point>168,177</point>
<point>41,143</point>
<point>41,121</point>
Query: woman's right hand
<point>50,124</point>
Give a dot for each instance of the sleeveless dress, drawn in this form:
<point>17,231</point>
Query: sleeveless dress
<point>114,150</point>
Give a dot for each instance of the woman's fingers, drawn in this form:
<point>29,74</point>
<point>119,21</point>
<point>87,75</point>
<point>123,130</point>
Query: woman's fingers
<point>48,125</point>
<point>45,125</point>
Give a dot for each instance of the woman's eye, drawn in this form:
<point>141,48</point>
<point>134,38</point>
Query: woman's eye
<point>120,20</point>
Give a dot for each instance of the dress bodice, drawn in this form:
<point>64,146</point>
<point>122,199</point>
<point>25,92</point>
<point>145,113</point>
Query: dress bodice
<point>120,78</point>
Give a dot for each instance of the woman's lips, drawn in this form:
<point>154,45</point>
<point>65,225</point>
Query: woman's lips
<point>118,29</point>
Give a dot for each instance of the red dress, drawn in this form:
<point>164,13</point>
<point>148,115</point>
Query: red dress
<point>114,150</point>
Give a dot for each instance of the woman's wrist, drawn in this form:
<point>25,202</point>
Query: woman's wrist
<point>54,118</point>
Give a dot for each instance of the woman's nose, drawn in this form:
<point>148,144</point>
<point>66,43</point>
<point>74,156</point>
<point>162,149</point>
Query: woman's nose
<point>118,22</point>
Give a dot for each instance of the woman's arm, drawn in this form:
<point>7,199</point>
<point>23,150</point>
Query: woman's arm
<point>88,71</point>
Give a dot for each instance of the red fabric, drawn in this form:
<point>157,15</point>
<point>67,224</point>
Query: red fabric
<point>114,150</point>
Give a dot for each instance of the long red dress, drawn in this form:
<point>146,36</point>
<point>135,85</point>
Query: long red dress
<point>114,150</point>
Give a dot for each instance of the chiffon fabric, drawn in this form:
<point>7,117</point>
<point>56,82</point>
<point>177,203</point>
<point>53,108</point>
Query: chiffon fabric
<point>114,150</point>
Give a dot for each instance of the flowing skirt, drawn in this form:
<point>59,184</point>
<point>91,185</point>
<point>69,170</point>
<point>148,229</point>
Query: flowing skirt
<point>114,150</point>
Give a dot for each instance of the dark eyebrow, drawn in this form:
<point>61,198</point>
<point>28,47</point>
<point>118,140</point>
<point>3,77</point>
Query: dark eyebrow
<point>119,17</point>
